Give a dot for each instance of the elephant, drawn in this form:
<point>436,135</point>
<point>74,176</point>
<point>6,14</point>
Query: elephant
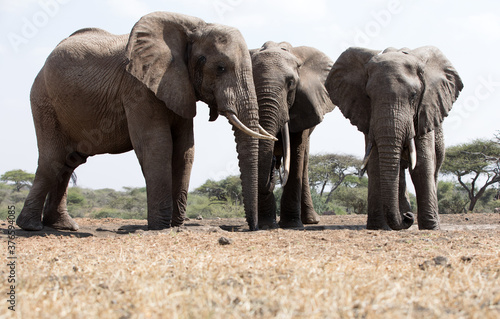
<point>289,82</point>
<point>103,93</point>
<point>398,99</point>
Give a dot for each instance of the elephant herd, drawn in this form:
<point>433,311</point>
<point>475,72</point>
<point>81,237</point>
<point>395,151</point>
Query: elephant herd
<point>103,93</point>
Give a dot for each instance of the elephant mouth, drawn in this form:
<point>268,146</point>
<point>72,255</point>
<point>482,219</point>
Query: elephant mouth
<point>412,159</point>
<point>262,134</point>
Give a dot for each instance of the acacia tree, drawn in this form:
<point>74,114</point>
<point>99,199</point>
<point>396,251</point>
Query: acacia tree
<point>476,165</point>
<point>331,170</point>
<point>226,190</point>
<point>19,178</point>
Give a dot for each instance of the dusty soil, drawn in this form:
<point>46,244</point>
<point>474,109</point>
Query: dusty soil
<point>115,227</point>
<point>215,268</point>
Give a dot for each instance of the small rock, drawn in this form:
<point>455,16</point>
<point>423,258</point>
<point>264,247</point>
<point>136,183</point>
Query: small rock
<point>75,268</point>
<point>103,286</point>
<point>225,241</point>
<point>440,260</point>
<point>199,217</point>
<point>466,259</point>
<point>425,265</point>
<point>436,261</point>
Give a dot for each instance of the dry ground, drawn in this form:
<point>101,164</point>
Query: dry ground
<point>337,269</point>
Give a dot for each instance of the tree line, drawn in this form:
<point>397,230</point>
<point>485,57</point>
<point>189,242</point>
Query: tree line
<point>469,182</point>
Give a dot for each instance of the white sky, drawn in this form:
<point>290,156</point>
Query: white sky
<point>468,33</point>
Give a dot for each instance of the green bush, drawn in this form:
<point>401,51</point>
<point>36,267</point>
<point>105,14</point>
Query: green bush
<point>451,198</point>
<point>201,205</point>
<point>354,199</point>
<point>75,197</point>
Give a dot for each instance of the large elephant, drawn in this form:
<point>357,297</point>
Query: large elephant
<point>289,82</point>
<point>103,93</point>
<point>398,99</point>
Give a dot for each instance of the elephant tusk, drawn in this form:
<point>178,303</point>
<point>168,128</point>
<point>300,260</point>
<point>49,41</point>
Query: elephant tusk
<point>285,134</point>
<point>413,153</point>
<point>264,132</point>
<point>364,166</point>
<point>237,123</point>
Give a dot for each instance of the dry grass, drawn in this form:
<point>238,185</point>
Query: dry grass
<point>268,274</point>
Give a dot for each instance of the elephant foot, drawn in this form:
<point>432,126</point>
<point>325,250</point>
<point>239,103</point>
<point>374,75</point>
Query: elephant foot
<point>429,221</point>
<point>266,225</point>
<point>376,224</point>
<point>377,227</point>
<point>310,218</point>
<point>31,222</point>
<point>61,222</point>
<point>291,223</point>
<point>429,226</point>
<point>436,227</point>
<point>158,226</point>
<point>177,222</point>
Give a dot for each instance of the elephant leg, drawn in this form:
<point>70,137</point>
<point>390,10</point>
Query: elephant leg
<point>30,217</point>
<point>183,157</point>
<point>376,218</point>
<point>424,179</point>
<point>150,133</point>
<point>307,213</point>
<point>156,164</point>
<point>292,192</point>
<point>55,212</point>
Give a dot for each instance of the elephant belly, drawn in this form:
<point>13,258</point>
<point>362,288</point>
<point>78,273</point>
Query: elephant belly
<point>108,137</point>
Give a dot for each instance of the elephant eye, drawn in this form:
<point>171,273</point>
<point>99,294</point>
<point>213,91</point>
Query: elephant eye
<point>220,70</point>
<point>290,84</point>
<point>413,97</point>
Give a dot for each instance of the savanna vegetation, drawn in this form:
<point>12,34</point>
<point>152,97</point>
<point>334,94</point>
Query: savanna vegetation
<point>469,182</point>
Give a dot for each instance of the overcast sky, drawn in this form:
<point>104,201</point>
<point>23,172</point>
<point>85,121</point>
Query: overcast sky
<point>467,32</point>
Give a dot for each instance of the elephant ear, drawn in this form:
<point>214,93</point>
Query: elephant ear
<point>442,87</point>
<point>346,85</point>
<point>312,101</point>
<point>157,54</point>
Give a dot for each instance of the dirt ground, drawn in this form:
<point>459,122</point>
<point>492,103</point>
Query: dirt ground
<point>116,227</point>
<point>215,268</point>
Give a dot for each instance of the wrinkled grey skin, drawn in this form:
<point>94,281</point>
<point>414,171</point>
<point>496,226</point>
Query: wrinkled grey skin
<point>392,97</point>
<point>103,93</point>
<point>289,82</point>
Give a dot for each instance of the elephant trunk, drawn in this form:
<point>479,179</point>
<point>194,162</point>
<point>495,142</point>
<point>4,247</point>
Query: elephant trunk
<point>247,148</point>
<point>268,118</point>
<point>390,144</point>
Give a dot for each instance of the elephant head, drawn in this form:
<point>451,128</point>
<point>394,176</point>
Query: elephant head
<point>289,82</point>
<point>394,97</point>
<point>182,59</point>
